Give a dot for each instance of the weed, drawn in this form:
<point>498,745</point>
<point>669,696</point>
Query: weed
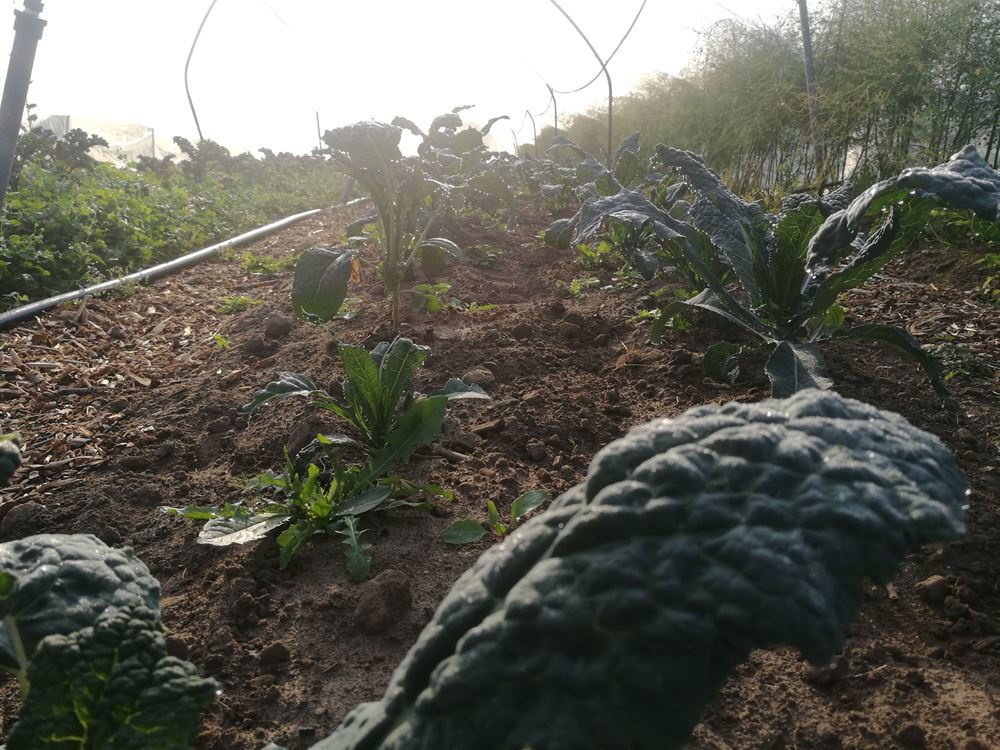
<point>471,530</point>
<point>236,303</point>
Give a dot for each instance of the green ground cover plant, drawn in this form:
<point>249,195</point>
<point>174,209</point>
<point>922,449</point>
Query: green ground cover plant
<point>69,220</point>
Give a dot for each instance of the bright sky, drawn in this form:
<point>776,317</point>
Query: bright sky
<point>263,68</point>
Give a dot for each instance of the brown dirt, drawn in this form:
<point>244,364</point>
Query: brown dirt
<point>128,403</point>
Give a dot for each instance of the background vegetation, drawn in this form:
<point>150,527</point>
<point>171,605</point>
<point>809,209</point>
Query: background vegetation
<point>70,220</point>
<point>900,82</point>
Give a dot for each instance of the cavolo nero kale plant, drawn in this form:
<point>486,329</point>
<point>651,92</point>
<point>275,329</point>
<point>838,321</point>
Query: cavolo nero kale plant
<point>789,269</point>
<point>611,619</point>
<point>610,226</point>
<point>81,632</point>
<point>415,199</point>
<point>369,152</point>
<point>322,491</point>
<point>477,177</point>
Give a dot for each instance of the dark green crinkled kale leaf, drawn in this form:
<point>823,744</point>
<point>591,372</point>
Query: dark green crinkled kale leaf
<point>612,619</point>
<point>111,686</point>
<point>61,585</point>
<point>964,182</point>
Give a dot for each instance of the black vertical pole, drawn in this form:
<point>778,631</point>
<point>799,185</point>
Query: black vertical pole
<point>28,27</point>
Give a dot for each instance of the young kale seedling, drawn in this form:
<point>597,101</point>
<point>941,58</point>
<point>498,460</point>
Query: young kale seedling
<point>379,397</point>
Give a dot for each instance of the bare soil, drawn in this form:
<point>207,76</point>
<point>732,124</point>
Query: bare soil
<point>130,403</point>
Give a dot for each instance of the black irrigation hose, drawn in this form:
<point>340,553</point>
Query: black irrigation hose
<point>163,269</point>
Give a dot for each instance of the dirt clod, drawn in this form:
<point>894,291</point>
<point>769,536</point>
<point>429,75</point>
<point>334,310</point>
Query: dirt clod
<point>913,736</point>
<point>535,450</point>
<point>257,346</point>
<point>22,520</point>
<point>521,331</point>
<point>278,326</point>
<point>480,376</point>
<point>176,646</point>
<point>933,590</point>
<point>274,654</point>
<point>135,463</point>
<point>383,602</point>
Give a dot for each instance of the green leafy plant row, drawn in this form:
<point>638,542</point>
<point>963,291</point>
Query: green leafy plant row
<point>69,220</point>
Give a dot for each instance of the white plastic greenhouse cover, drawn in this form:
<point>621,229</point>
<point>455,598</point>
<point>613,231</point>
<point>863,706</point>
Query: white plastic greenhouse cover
<point>126,141</point>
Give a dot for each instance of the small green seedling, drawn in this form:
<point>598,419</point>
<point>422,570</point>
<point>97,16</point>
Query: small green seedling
<point>580,285</point>
<point>236,303</point>
<point>472,530</point>
<point>475,307</point>
<point>484,256</point>
<point>221,342</point>
<point>265,265</point>
<point>428,297</point>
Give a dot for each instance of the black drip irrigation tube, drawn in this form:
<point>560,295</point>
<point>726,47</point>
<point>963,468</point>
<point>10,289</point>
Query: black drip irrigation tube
<point>20,314</point>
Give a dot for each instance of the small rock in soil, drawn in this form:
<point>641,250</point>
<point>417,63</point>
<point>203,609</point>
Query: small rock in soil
<point>263,680</point>
<point>383,602</point>
<point>479,376</point>
<point>912,735</point>
<point>148,495</point>
<point>567,471</point>
<point>575,318</point>
<point>535,450</point>
<point>134,463</point>
<point>277,326</point>
<point>22,520</point>
<point>933,590</point>
<point>117,334</point>
<point>973,744</point>
<point>521,331</point>
<point>602,339</point>
<point>274,654</point>
<point>492,335</point>
<point>557,308</point>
